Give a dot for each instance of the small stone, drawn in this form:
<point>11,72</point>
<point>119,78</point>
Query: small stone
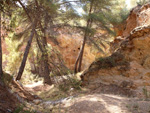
<point>37,101</point>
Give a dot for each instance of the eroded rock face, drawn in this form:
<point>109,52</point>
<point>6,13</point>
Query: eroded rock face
<point>136,46</point>
<point>139,16</point>
<point>134,67</point>
<point>131,21</point>
<point>69,45</point>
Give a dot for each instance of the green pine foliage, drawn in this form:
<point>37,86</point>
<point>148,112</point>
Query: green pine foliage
<point>142,2</point>
<point>50,16</point>
<point>14,57</point>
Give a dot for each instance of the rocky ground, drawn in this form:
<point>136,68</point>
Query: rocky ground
<point>103,99</point>
<point>8,102</point>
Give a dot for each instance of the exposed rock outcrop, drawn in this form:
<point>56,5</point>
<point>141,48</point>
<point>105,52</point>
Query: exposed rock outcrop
<point>70,41</point>
<point>129,66</point>
<point>139,16</point>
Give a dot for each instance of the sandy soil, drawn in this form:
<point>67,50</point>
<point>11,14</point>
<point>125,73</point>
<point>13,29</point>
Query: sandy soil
<point>106,103</point>
<point>105,99</point>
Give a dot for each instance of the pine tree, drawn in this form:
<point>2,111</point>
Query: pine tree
<point>96,15</point>
<point>21,69</point>
<point>5,5</point>
<point>1,70</point>
<point>80,57</point>
<point>42,12</point>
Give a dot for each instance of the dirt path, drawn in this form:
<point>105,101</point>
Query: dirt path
<point>106,103</point>
<point>93,102</point>
<point>103,99</point>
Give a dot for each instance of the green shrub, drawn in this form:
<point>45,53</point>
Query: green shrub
<point>70,83</point>
<point>146,93</point>
<point>116,59</point>
<point>20,109</point>
<point>7,78</point>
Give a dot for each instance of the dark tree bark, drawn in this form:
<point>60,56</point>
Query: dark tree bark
<point>47,78</point>
<point>21,69</point>
<point>43,67</point>
<point>44,61</point>
<point>78,63</point>
<point>1,70</point>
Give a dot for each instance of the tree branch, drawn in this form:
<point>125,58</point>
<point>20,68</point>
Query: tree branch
<point>67,2</point>
<point>25,10</point>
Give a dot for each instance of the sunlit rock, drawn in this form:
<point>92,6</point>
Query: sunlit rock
<point>131,70</point>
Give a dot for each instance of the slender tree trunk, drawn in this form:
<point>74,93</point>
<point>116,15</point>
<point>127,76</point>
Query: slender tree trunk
<point>1,70</point>
<point>21,69</point>
<point>78,63</point>
<point>44,63</point>
<point>47,78</point>
<point>46,70</point>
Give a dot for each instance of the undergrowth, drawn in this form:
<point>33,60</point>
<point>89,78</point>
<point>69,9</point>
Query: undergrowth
<point>22,109</point>
<point>7,78</point>
<point>72,83</point>
<point>146,93</point>
<point>116,59</point>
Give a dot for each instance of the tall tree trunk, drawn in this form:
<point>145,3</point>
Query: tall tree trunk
<point>1,70</point>
<point>21,69</point>
<point>47,78</point>
<point>78,63</point>
<point>44,70</point>
<point>44,63</point>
